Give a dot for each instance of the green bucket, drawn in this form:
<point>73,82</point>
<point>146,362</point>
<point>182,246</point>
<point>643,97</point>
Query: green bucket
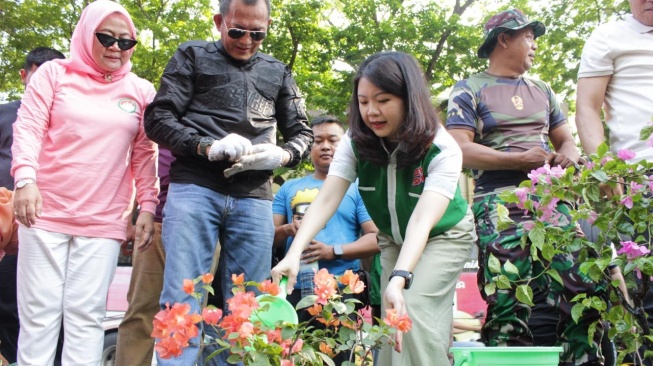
<point>275,308</point>
<point>506,356</point>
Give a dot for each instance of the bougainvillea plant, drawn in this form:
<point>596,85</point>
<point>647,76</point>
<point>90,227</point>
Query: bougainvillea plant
<point>623,223</point>
<point>252,342</point>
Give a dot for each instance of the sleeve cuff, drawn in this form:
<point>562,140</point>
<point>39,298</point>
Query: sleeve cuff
<point>148,206</point>
<point>25,172</point>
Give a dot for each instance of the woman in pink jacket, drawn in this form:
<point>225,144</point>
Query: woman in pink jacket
<point>79,149</point>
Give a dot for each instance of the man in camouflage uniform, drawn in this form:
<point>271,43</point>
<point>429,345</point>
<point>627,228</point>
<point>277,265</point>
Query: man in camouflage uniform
<point>503,122</point>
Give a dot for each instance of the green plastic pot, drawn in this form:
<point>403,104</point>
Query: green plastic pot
<point>505,356</point>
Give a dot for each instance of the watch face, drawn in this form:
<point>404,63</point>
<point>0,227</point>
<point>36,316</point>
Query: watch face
<point>337,250</point>
<point>21,183</point>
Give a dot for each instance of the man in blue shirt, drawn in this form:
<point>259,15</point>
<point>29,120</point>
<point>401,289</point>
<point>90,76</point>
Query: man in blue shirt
<point>348,236</point>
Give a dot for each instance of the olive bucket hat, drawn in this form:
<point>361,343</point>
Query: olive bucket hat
<point>509,19</point>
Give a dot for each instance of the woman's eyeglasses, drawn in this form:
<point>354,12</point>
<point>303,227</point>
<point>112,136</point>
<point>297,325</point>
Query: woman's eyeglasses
<point>108,41</point>
<point>236,33</point>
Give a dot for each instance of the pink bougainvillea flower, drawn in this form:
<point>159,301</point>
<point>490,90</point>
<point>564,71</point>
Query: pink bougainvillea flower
<point>242,304</point>
<point>274,336</point>
<point>632,250</point>
<point>288,343</point>
<point>207,278</point>
<point>402,323</point>
<point>627,201</point>
<point>246,330</point>
<point>528,225</point>
<point>325,286</point>
<point>189,286</point>
<point>593,217</point>
<point>625,154</point>
<point>287,363</point>
<point>269,287</point>
<point>606,159</point>
<point>522,195</point>
<point>635,187</point>
<point>211,315</point>
<point>557,171</point>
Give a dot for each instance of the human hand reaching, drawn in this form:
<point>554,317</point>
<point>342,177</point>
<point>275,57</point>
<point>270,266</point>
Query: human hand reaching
<point>261,157</point>
<point>232,147</point>
<point>393,298</point>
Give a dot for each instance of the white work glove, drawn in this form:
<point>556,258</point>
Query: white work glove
<point>262,157</point>
<point>231,147</point>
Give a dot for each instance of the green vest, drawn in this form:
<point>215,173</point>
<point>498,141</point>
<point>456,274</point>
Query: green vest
<point>390,195</point>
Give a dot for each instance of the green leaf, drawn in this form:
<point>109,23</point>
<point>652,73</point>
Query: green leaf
<point>510,268</point>
<point>555,275</point>
<point>493,264</point>
<point>525,294</point>
<point>305,302</point>
<point>503,217</point>
<point>490,288</point>
<point>600,176</point>
<point>646,132</point>
<point>503,282</point>
<point>536,235</point>
<point>602,149</point>
<point>577,311</point>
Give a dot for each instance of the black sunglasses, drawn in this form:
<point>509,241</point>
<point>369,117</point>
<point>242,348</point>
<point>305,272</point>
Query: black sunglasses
<point>236,33</point>
<point>108,41</point>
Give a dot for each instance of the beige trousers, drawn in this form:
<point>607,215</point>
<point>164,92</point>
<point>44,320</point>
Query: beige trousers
<point>429,301</point>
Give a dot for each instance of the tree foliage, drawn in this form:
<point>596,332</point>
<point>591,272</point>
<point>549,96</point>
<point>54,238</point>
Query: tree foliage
<point>323,41</point>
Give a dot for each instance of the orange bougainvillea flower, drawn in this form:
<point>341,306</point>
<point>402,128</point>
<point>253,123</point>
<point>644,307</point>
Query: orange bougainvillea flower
<point>211,315</point>
<point>314,310</point>
<point>269,287</point>
<point>168,348</point>
<point>353,281</point>
<point>174,327</point>
<point>324,348</point>
<point>189,287</point>
<point>402,323</point>
<point>238,279</point>
<point>207,278</point>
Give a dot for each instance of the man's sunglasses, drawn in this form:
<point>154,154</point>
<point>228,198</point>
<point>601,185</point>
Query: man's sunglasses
<point>108,41</point>
<point>236,33</point>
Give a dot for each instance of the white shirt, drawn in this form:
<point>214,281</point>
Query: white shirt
<point>624,50</point>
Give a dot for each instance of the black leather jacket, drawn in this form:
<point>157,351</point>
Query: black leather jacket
<point>205,92</point>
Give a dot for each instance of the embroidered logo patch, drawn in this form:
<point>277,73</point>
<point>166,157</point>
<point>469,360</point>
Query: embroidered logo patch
<point>517,102</point>
<point>127,105</point>
<point>418,176</point>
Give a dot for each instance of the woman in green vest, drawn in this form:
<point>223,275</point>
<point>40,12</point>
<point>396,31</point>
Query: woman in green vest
<point>408,168</point>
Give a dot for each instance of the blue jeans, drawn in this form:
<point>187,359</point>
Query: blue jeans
<point>194,220</point>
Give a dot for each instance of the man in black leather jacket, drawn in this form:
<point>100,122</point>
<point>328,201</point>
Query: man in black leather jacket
<point>218,110</point>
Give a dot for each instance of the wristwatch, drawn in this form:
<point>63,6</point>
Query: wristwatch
<point>337,251</point>
<point>405,274</point>
<point>21,183</point>
<point>205,143</point>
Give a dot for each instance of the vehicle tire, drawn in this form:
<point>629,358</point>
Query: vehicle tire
<point>109,350</point>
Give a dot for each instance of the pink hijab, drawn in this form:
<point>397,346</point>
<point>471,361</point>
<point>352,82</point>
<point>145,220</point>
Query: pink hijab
<point>81,44</point>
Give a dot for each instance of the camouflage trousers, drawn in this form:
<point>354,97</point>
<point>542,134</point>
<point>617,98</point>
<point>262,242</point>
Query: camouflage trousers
<point>506,322</point>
